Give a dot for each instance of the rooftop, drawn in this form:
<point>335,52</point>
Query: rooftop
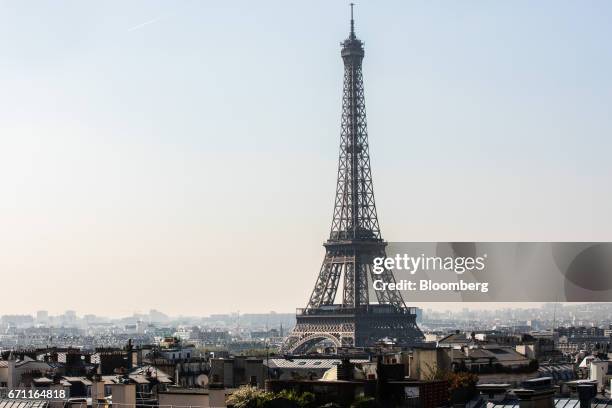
<point>307,363</point>
<point>559,403</point>
<point>22,403</point>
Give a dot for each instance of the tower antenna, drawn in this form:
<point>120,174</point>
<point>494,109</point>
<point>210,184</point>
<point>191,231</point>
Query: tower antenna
<point>352,22</point>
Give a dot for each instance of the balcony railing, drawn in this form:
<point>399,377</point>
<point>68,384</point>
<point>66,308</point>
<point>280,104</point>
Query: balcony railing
<point>340,309</point>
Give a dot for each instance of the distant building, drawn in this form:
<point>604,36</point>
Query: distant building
<point>492,363</point>
<point>303,368</point>
<point>190,397</point>
<point>42,317</point>
<point>237,371</point>
<point>17,320</point>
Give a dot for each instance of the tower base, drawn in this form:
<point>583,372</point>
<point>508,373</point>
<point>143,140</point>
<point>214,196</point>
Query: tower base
<point>353,327</point>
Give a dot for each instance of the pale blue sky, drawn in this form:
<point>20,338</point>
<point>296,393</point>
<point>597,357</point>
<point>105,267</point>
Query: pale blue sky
<point>155,146</point>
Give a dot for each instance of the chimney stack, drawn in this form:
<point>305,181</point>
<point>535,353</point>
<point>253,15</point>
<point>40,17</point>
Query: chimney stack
<point>345,370</point>
<point>493,392</point>
<point>536,393</point>
<point>124,395</point>
<point>97,392</point>
<point>12,380</point>
<point>586,393</point>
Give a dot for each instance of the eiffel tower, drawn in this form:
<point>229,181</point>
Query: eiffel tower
<point>354,241</point>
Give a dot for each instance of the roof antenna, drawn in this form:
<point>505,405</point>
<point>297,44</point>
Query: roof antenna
<point>352,22</point>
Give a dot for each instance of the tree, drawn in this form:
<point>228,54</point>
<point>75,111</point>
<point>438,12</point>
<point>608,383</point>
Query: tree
<point>246,397</point>
<point>364,402</point>
<point>251,397</point>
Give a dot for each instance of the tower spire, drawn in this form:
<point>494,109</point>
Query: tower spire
<point>352,22</point>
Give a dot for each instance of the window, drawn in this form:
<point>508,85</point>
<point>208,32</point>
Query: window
<point>498,351</point>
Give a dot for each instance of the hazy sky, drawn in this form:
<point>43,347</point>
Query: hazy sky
<point>182,155</point>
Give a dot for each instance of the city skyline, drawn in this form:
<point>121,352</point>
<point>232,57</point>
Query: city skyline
<point>149,148</point>
<point>439,307</point>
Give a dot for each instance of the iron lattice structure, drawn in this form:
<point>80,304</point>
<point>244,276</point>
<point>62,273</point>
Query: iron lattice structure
<point>354,241</point>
